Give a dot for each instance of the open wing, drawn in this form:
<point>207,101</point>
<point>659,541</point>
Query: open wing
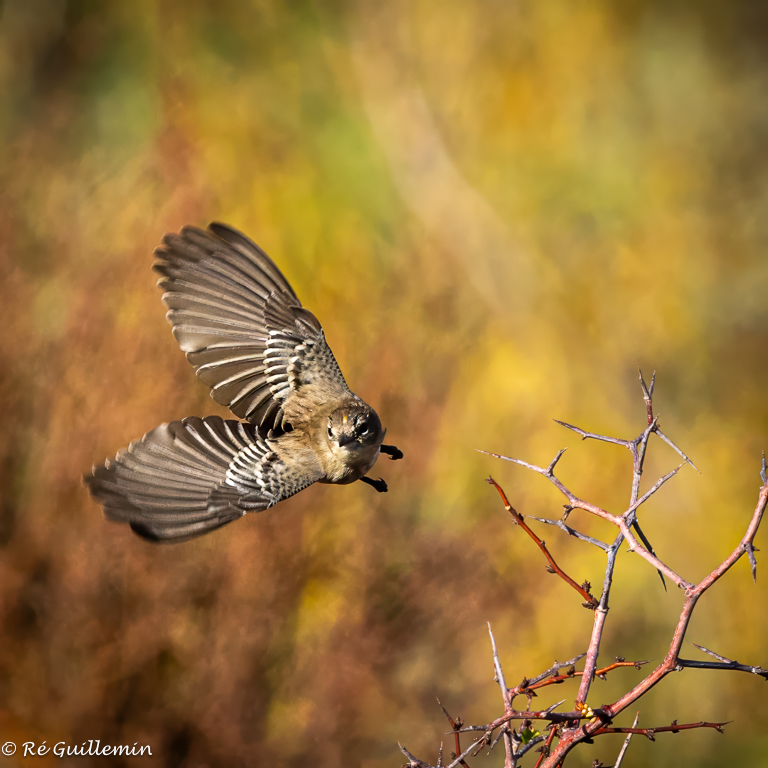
<point>242,327</point>
<point>190,477</point>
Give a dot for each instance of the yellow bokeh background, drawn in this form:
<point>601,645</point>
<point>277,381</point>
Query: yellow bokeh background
<point>498,211</point>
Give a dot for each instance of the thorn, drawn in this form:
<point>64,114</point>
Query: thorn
<point>554,462</point>
<point>752,561</point>
<point>724,659</point>
<point>648,395</point>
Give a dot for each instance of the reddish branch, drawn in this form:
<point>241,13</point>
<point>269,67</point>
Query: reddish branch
<point>547,747</point>
<point>558,679</point>
<point>651,732</point>
<point>583,590</point>
<point>456,727</point>
<point>529,687</point>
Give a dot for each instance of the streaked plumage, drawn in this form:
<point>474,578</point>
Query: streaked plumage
<point>265,357</point>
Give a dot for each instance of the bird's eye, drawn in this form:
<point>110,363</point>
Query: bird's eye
<point>330,431</point>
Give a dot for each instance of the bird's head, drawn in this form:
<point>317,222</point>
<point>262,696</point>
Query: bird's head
<point>355,426</point>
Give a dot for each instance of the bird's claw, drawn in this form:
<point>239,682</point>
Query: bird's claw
<point>392,452</point>
<point>379,484</point>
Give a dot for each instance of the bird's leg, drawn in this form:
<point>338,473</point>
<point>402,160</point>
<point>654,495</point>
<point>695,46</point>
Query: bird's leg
<point>379,484</point>
<point>392,452</point>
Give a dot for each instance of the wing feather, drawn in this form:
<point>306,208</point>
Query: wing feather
<point>189,477</point>
<point>242,326</point>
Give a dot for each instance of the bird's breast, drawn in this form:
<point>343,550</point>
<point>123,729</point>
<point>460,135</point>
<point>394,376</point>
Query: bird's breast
<point>345,465</point>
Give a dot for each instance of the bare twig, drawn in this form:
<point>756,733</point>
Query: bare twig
<point>498,676</point>
<point>413,762</point>
<point>728,667</point>
<point>625,745</point>
<point>635,546</point>
<point>660,434</point>
<point>503,731</point>
<point>574,501</point>
<point>722,663</point>
<point>638,449</point>
<point>460,758</point>
<point>647,495</point>
<point>535,741</point>
<point>570,531</point>
<point>593,436</point>
<point>746,541</point>
<point>555,668</point>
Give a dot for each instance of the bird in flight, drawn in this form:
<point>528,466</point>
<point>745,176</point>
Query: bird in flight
<point>265,357</point>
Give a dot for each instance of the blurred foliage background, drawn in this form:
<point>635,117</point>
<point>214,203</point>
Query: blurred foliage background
<point>499,211</point>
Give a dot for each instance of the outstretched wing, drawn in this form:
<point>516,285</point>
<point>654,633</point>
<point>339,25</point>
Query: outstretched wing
<point>190,477</point>
<point>242,326</point>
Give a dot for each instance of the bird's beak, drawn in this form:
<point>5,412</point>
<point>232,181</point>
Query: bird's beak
<point>345,440</point>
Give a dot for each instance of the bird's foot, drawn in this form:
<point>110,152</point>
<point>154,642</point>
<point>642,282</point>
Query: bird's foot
<point>392,452</point>
<point>379,484</point>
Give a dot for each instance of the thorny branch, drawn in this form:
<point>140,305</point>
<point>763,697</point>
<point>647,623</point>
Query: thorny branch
<point>723,663</point>
<point>675,727</point>
<point>583,589</point>
<point>567,729</point>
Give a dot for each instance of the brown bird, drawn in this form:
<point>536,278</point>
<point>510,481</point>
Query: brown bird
<point>265,357</point>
